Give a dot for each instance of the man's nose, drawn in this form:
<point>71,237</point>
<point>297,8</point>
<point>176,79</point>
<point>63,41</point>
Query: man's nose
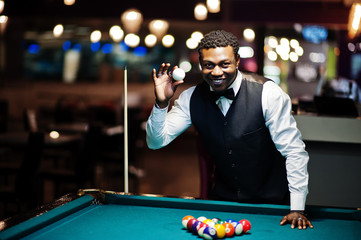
<point>217,71</point>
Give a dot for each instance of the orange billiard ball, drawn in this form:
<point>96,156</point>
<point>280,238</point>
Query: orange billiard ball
<point>185,220</point>
<point>229,229</point>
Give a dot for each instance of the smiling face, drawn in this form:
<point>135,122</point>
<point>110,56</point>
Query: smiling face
<point>219,67</point>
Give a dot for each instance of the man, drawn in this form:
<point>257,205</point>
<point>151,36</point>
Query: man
<point>251,135</point>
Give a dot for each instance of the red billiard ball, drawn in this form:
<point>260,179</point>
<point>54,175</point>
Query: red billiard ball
<point>185,220</point>
<point>246,225</point>
<point>190,223</point>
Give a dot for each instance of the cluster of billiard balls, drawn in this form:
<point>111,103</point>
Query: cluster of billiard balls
<point>215,228</point>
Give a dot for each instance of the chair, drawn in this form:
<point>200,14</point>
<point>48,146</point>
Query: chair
<point>25,193</point>
<point>81,173</point>
<point>30,120</point>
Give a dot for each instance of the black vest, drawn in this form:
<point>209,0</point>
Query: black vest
<point>248,167</point>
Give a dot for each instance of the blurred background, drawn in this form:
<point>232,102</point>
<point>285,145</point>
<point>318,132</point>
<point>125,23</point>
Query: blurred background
<point>62,84</point>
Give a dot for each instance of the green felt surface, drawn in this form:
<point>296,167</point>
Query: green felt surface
<point>160,218</point>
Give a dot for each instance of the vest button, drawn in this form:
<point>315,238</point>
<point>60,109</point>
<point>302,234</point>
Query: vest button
<point>233,165</point>
<point>225,123</point>
<point>230,151</point>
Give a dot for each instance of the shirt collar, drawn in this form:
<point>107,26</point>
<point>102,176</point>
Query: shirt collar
<point>236,85</point>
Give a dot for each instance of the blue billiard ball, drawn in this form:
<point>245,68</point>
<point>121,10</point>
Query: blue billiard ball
<point>209,233</point>
<point>195,226</point>
<point>238,228</point>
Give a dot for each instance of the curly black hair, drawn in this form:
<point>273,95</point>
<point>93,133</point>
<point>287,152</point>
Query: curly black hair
<point>218,38</point>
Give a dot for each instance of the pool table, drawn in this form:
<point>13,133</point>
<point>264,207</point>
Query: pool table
<point>98,214</point>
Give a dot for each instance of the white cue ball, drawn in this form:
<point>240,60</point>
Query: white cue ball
<point>178,74</point>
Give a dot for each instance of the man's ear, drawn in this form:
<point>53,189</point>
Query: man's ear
<point>238,59</point>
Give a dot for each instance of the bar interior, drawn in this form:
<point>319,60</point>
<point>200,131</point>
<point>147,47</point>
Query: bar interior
<point>64,66</point>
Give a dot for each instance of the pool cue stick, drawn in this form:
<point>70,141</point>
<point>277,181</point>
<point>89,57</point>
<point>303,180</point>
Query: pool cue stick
<point>126,185</point>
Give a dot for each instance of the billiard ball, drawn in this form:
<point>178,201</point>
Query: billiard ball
<point>209,233</point>
<point>233,222</point>
<point>221,230</point>
<point>209,222</point>
<point>238,228</point>
<point>201,218</point>
<point>246,225</point>
<point>195,226</point>
<point>190,223</point>
<point>216,220</point>
<point>201,228</point>
<point>185,220</point>
<point>229,229</point>
<point>178,74</point>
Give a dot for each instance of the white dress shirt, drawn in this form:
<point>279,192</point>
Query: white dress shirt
<point>163,127</point>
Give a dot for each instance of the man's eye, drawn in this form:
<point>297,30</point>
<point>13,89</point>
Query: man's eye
<point>208,66</point>
<point>225,65</point>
